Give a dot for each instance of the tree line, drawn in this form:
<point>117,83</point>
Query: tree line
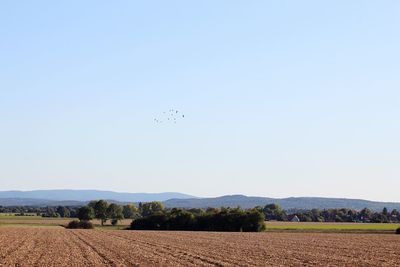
<point>274,212</point>
<point>154,216</point>
<point>105,211</point>
<point>99,209</point>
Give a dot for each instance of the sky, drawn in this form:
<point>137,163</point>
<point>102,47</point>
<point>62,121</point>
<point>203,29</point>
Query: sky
<point>281,98</point>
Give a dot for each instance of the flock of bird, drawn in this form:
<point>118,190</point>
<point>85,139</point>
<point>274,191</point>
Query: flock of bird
<point>170,116</point>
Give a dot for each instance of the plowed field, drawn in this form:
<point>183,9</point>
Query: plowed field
<point>33,246</point>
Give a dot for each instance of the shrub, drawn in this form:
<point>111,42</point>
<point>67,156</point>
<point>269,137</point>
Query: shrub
<point>85,213</point>
<point>398,231</point>
<point>75,224</point>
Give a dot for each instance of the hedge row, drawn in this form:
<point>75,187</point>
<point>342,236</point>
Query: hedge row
<point>232,220</point>
<point>80,225</point>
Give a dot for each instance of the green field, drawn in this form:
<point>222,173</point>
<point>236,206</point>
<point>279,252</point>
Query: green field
<point>13,216</point>
<point>10,220</point>
<point>331,227</point>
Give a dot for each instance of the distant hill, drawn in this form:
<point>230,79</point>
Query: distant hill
<point>38,202</point>
<point>285,203</point>
<point>11,198</point>
<point>172,199</point>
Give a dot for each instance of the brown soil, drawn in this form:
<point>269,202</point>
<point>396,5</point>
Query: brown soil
<point>60,247</point>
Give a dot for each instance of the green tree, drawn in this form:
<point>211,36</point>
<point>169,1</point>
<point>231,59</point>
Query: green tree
<point>63,211</point>
<point>394,212</point>
<point>351,215</point>
<point>379,218</point>
<point>100,210</point>
<point>211,210</point>
<point>316,215</point>
<point>150,208</point>
<point>85,214</point>
<point>181,220</point>
<point>395,215</point>
<point>130,211</point>
<point>365,214</point>
<point>114,212</point>
<point>196,211</point>
<point>385,211</point>
<point>274,212</point>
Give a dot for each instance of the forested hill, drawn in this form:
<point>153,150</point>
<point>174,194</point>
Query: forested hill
<point>85,195</point>
<point>170,200</point>
<point>285,203</point>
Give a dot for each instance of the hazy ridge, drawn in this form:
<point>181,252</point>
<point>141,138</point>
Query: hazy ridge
<point>175,199</point>
<point>285,203</point>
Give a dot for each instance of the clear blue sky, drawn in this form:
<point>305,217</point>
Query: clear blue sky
<point>282,98</point>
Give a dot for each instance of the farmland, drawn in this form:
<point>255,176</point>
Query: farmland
<point>48,246</point>
<point>332,227</point>
<point>37,241</point>
<point>15,221</point>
